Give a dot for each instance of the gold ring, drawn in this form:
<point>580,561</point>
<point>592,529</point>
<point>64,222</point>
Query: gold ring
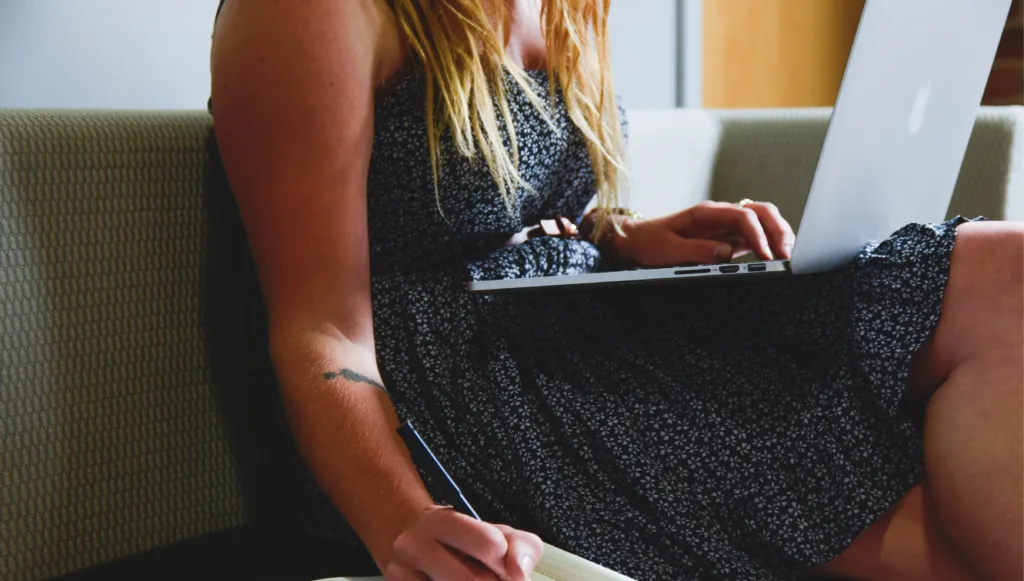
<point>745,202</point>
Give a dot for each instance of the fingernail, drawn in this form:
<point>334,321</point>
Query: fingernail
<point>789,249</point>
<point>723,252</point>
<point>526,563</point>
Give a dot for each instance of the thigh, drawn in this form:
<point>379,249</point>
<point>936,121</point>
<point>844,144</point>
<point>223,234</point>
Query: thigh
<point>982,309</point>
<point>908,543</point>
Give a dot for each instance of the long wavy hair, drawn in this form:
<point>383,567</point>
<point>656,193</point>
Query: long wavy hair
<point>460,45</point>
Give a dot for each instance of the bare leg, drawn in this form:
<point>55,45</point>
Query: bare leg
<point>907,544</point>
<point>974,421</point>
<point>967,520</point>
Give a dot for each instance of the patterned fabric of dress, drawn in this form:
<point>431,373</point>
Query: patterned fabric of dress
<point>723,431</point>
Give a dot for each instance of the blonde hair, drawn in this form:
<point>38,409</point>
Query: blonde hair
<point>461,47</point>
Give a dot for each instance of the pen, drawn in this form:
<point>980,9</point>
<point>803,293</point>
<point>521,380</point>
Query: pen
<point>425,459</point>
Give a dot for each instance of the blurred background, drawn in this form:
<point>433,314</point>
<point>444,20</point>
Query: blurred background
<point>154,54</point>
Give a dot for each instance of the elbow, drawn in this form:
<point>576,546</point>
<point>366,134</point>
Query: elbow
<point>320,345</point>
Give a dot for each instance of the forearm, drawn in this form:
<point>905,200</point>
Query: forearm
<point>344,425</point>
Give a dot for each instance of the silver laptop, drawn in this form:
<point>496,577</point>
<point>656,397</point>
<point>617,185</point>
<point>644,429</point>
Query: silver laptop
<point>894,146</point>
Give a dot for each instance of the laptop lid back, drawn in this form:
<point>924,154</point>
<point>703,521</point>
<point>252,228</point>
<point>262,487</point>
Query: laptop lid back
<point>901,124</point>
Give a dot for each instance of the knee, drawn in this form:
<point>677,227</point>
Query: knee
<point>988,256</point>
<point>987,271</point>
<point>983,307</point>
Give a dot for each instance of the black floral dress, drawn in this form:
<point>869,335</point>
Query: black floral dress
<point>742,431</point>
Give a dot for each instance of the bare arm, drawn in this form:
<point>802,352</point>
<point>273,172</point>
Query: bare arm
<point>293,94</point>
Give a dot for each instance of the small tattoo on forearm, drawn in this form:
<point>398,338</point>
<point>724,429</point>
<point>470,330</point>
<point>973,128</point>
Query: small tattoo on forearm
<point>352,376</point>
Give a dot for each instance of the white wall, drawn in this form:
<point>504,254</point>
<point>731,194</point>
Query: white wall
<point>643,41</point>
<point>143,54</point>
<point>154,54</point>
<point>691,53</point>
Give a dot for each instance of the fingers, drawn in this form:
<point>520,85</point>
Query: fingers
<point>779,232</point>
<point>444,544</point>
<point>431,561</point>
<point>672,250</point>
<point>713,218</point>
<point>566,227</point>
<point>558,227</point>
<point>524,552</point>
<point>697,251</point>
<point>476,539</point>
<point>741,250</point>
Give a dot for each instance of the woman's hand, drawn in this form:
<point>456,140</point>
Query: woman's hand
<point>557,227</point>
<point>443,545</point>
<point>708,233</point>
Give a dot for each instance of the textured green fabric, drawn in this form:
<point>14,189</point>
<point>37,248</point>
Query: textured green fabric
<point>110,441</point>
<point>772,155</point>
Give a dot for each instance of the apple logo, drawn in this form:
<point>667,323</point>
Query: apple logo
<point>920,107</point>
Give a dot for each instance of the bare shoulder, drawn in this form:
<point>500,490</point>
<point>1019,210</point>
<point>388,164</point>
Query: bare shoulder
<point>294,86</point>
<point>315,33</point>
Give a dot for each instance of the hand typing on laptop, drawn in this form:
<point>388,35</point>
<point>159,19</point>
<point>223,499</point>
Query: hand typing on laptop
<point>708,233</point>
<point>691,245</point>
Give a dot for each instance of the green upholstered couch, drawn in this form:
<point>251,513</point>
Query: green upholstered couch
<point>119,452</point>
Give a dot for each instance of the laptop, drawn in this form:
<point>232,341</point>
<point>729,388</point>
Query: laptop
<point>893,149</point>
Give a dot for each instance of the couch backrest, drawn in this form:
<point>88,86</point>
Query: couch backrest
<point>681,157</point>
<point>113,432</point>
<point>110,437</point>
<point>671,155</point>
<point>772,154</point>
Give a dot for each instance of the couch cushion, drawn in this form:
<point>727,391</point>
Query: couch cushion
<point>110,438</point>
<point>244,553</point>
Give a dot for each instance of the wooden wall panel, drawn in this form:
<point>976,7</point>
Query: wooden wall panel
<point>776,53</point>
<point>1006,83</point>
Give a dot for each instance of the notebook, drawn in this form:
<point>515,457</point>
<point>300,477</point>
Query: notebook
<point>555,565</point>
<point>558,565</point>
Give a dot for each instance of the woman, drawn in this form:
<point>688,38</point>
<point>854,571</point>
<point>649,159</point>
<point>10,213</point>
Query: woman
<point>864,423</point>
